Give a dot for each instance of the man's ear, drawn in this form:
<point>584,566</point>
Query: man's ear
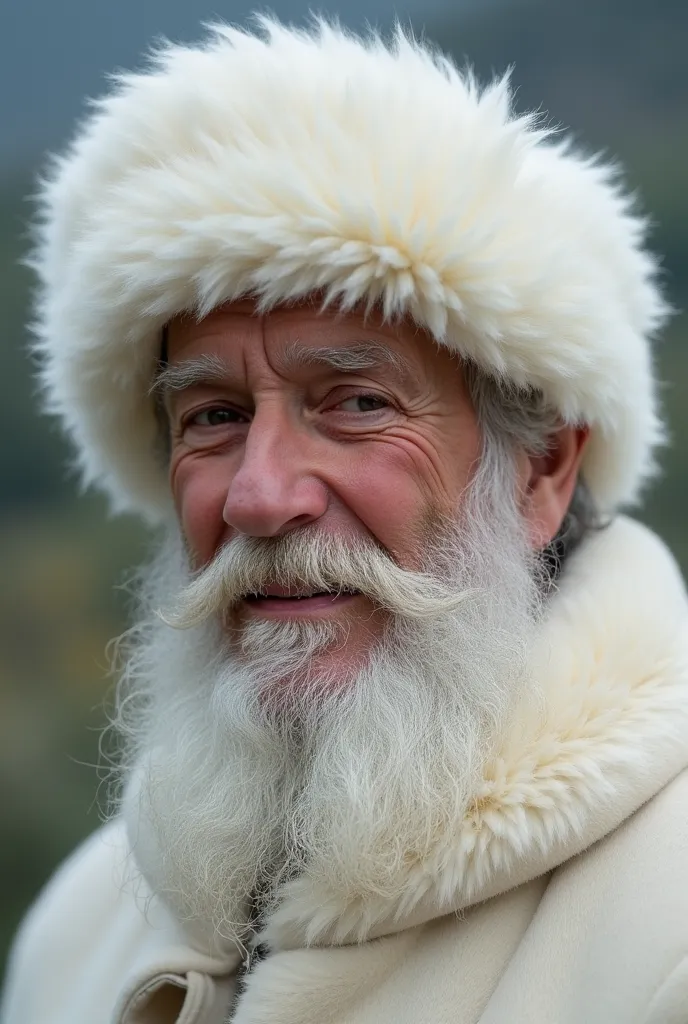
<point>551,482</point>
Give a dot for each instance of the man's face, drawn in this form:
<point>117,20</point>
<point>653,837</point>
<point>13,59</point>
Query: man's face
<point>343,454</point>
<point>357,429</point>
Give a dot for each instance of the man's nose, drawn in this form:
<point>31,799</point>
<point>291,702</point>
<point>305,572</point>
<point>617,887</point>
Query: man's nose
<point>275,488</point>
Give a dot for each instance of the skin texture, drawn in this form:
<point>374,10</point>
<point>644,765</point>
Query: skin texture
<point>281,439</point>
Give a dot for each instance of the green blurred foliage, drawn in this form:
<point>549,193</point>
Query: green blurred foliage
<point>616,72</point>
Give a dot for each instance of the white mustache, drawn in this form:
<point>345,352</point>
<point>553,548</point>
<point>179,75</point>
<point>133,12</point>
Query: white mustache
<point>311,563</point>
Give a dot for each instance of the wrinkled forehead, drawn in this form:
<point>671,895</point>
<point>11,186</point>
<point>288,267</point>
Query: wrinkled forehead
<point>285,318</point>
<point>305,334</point>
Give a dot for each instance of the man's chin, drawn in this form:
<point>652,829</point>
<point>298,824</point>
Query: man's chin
<point>316,643</point>
<point>304,688</point>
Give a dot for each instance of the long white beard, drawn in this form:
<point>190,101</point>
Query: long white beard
<point>229,795</point>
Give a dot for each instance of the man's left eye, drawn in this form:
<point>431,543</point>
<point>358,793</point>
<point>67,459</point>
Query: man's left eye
<point>363,403</point>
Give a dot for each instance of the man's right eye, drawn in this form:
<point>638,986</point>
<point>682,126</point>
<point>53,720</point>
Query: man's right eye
<point>217,416</point>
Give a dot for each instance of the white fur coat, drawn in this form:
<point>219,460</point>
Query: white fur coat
<point>561,898</point>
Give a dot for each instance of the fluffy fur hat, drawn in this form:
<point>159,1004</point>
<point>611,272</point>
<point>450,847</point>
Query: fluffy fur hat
<point>279,163</point>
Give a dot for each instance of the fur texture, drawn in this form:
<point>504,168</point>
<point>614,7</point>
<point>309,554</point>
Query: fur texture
<point>608,728</point>
<point>283,163</point>
<point>602,728</point>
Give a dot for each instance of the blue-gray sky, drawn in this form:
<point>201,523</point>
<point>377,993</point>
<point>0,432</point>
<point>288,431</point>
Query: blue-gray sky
<point>55,53</point>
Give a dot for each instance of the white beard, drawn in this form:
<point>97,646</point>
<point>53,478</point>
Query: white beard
<point>228,796</point>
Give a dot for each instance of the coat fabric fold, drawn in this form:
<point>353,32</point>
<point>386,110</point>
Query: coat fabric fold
<point>560,898</point>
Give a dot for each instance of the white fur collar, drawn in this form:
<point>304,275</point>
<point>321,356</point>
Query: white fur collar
<point>608,730</point>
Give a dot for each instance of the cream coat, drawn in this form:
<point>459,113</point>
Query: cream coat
<point>561,898</point>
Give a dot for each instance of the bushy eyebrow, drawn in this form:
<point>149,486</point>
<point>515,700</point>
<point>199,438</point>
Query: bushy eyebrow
<point>349,359</point>
<point>206,369</point>
<point>210,369</point>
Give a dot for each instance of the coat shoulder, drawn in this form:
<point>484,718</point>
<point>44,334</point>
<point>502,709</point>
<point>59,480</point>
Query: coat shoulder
<point>76,890</point>
<point>640,870</point>
<point>658,832</point>
<point>608,942</point>
<point>84,907</point>
<point>96,944</point>
<point>627,898</point>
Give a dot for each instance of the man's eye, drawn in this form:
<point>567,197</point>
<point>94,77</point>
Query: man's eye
<point>216,417</point>
<point>363,403</point>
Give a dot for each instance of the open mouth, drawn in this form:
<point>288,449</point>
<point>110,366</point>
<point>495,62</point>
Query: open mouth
<point>283,600</point>
<point>267,596</point>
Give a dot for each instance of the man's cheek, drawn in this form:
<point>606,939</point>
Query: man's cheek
<point>200,503</point>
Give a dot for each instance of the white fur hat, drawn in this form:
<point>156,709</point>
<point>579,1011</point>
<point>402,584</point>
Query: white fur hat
<point>286,162</point>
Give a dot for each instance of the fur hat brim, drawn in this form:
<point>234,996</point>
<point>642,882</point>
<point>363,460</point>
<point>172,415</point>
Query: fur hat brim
<point>283,163</point>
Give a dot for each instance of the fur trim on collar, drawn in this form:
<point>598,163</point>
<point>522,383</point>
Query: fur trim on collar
<point>605,728</point>
<point>291,163</point>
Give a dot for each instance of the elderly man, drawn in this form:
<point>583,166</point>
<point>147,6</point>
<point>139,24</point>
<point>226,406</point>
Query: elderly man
<point>406,706</point>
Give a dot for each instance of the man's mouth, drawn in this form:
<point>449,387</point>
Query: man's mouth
<point>285,601</point>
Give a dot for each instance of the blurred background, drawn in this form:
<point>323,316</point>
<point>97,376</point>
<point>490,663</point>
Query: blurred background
<point>613,70</point>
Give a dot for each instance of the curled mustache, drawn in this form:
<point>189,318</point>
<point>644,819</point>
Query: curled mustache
<point>247,565</point>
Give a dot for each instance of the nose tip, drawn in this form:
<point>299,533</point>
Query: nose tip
<point>264,501</point>
<point>260,518</point>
